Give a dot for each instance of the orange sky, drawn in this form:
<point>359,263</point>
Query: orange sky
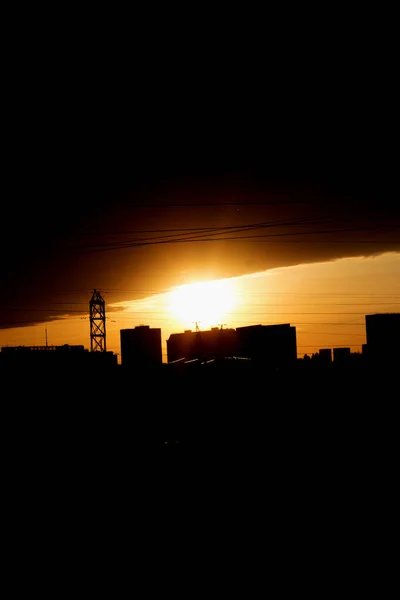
<point>327,302</point>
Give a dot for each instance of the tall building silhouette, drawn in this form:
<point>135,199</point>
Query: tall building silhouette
<point>383,337</point>
<point>141,347</point>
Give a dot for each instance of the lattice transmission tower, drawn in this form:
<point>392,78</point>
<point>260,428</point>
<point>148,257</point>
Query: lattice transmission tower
<point>97,307</point>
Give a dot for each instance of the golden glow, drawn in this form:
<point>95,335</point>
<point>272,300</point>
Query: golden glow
<point>206,303</point>
<point>326,302</point>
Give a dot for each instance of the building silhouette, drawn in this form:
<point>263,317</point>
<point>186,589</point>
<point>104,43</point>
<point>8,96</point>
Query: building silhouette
<point>141,347</point>
<point>383,338</point>
<point>272,345</point>
<point>341,356</point>
<point>325,356</point>
<point>214,343</point>
<point>47,358</point>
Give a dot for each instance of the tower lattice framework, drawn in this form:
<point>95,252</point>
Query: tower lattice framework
<point>97,307</point>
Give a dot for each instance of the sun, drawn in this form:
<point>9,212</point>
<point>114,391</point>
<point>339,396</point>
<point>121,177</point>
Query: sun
<point>206,303</point>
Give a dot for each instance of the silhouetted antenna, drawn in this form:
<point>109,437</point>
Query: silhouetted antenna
<point>221,325</point>
<point>46,337</point>
<point>197,326</point>
<point>97,323</point>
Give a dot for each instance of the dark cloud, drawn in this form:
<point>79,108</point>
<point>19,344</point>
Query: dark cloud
<point>82,168</point>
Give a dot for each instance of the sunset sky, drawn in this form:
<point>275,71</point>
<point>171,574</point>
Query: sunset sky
<point>277,177</point>
<point>326,301</point>
<point>317,255</point>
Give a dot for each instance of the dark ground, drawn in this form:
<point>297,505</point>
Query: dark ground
<point>306,421</point>
<point>290,469</point>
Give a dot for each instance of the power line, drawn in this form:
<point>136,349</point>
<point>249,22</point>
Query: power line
<point>176,231</point>
<point>251,312</point>
<point>206,232</point>
<point>247,293</point>
<point>315,346</point>
<point>236,313</point>
<point>209,233</point>
<point>277,202</point>
<point>331,333</point>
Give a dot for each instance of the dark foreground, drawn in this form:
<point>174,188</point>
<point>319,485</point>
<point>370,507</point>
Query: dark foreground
<point>302,464</point>
<point>110,424</point>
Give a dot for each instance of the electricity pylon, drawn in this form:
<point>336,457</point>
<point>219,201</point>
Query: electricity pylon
<point>97,323</point>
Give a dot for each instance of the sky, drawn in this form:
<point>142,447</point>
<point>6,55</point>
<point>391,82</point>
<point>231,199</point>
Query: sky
<point>325,301</point>
<point>72,236</point>
<point>189,166</point>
